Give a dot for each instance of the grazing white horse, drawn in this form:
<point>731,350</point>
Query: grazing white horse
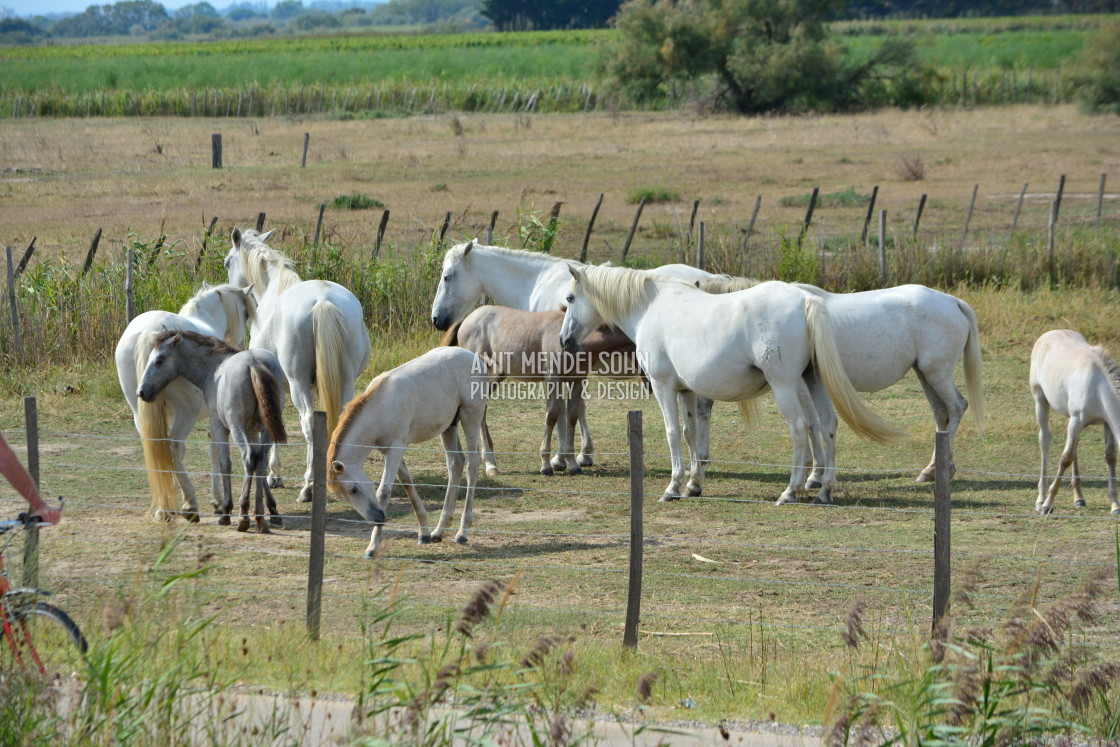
<point>1082,382</point>
<point>727,347</point>
<point>530,281</point>
<point>163,425</point>
<point>244,392</point>
<point>315,328</point>
<point>882,334</point>
<point>427,397</point>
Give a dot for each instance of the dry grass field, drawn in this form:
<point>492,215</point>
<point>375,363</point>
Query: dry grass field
<point>755,596</point>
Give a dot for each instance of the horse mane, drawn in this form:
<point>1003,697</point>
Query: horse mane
<point>228,295</point>
<point>345,423</point>
<point>1110,366</point>
<point>615,290</point>
<point>450,338</point>
<point>257,256</point>
<point>215,345</point>
<point>725,284</point>
<point>458,249</point>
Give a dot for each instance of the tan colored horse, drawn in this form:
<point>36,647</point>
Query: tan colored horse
<point>525,346</point>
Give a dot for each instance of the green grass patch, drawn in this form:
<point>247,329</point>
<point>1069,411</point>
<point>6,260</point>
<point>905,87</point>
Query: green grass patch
<point>652,194</point>
<point>356,201</point>
<point>845,198</point>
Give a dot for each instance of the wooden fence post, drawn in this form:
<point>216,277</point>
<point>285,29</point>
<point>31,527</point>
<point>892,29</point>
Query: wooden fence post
<point>31,250</point>
<point>1018,208</point>
<point>306,141</point>
<point>260,222</point>
<point>30,575</point>
<point>319,223</point>
<point>159,248</point>
<point>1061,191</point>
<point>490,228</point>
<point>216,150</point>
<point>380,233</point>
<point>318,523</point>
<point>12,304</point>
<point>692,223</point>
<point>128,271</point>
<point>92,251</point>
<point>809,214</point>
<point>882,247</point>
<point>1051,243</point>
<point>637,475</point>
<point>590,225</point>
<point>633,229</point>
<point>942,579</point>
<point>968,218</point>
<point>443,228</point>
<point>205,242</point>
<point>700,248</point>
<point>870,212</point>
<point>1100,203</point>
<point>918,217</point>
<point>750,226</point>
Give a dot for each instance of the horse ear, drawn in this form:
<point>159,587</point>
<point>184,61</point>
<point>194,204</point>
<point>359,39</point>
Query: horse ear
<point>264,236</point>
<point>235,237</point>
<point>248,290</point>
<point>468,247</point>
<point>575,273</point>
<point>206,286</point>
<point>178,338</point>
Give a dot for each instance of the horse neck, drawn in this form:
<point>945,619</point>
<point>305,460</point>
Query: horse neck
<point>198,366</point>
<point>212,316</point>
<point>510,279</point>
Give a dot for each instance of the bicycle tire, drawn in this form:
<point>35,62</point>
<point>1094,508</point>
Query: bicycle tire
<point>59,644</point>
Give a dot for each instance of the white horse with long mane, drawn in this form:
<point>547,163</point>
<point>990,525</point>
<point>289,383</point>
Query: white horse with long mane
<point>530,281</point>
<point>222,311</point>
<point>728,347</point>
<point>882,334</point>
<point>315,328</point>
<point>1082,382</point>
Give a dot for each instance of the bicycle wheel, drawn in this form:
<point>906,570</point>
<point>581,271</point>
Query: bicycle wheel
<point>45,635</point>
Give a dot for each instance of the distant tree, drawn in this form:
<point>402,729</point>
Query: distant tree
<point>203,9</point>
<point>314,21</point>
<point>16,31</point>
<point>126,17</point>
<point>244,14</point>
<point>1100,65</point>
<point>759,55</point>
<point>286,9</point>
<point>520,15</point>
<point>427,12</point>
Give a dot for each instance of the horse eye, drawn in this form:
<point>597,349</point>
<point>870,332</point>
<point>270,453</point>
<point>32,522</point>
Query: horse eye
<point>570,299</point>
<point>447,278</point>
<point>354,490</point>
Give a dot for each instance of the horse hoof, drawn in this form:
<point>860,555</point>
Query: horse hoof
<point>1079,504</point>
<point>813,485</point>
<point>665,498</point>
<point>369,554</point>
<point>547,471</point>
<point>191,517</point>
<point>424,539</point>
<point>304,496</point>
<point>276,521</point>
<point>461,539</point>
<point>575,471</point>
<point>223,521</point>
<point>263,528</point>
<point>560,466</point>
<point>694,491</point>
<point>492,471</point>
<point>1116,512</point>
<point>243,525</point>
<point>435,538</point>
<point>275,482</point>
<point>925,477</point>
<point>585,460</point>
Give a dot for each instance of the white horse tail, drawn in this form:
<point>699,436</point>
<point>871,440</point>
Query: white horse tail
<point>267,391</point>
<point>154,437</point>
<point>973,377</point>
<point>749,410</point>
<point>830,367</point>
<point>330,336</point>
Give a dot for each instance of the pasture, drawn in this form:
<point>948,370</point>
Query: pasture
<point>753,628</point>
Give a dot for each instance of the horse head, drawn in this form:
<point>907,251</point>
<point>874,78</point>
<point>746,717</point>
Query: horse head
<point>459,288</point>
<point>163,366</point>
<point>581,318</point>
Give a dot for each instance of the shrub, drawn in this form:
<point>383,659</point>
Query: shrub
<point>356,201</point>
<point>652,194</point>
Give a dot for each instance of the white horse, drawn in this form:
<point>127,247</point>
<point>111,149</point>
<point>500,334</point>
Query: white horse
<point>163,425</point>
<point>727,347</point>
<point>427,397</point>
<point>530,281</point>
<point>244,392</point>
<point>315,328</point>
<point>882,334</point>
<point>1082,382</point>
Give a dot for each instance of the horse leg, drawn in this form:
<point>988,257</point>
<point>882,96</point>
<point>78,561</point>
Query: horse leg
<point>1042,415</point>
<point>586,457</point>
<point>247,461</point>
<point>704,429</point>
<point>274,517</point>
<point>823,476</point>
<point>274,478</point>
<point>394,458</point>
<point>695,484</point>
<point>814,441</point>
<point>454,453</point>
<point>467,521</point>
<point>1110,460</point>
<point>948,406</point>
<point>405,478</point>
<point>488,449</point>
<point>1069,453</point>
<point>789,402</point>
<point>181,426</point>
<point>563,401</point>
<point>301,398</point>
<point>667,398</point>
<point>1075,483</point>
<point>220,435</point>
<point>259,455</point>
<point>551,417</point>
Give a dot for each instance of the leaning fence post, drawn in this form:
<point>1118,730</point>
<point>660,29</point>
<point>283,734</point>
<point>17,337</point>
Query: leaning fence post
<point>1100,202</point>
<point>318,523</point>
<point>92,251</point>
<point>12,304</point>
<point>1019,207</point>
<point>882,247</point>
<point>216,150</point>
<point>380,233</point>
<point>205,241</point>
<point>30,576</point>
<point>319,223</point>
<point>306,141</point>
<point>490,228</point>
<point>809,214</point>
<point>637,476</point>
<point>590,225</point>
<point>870,212</point>
<point>31,250</point>
<point>942,582</point>
<point>1051,243</point>
<point>443,228</point>
<point>692,223</point>
<point>918,217</point>
<point>750,226</point>
<point>968,218</point>
<point>700,248</point>
<point>1061,191</point>
<point>633,229</point>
